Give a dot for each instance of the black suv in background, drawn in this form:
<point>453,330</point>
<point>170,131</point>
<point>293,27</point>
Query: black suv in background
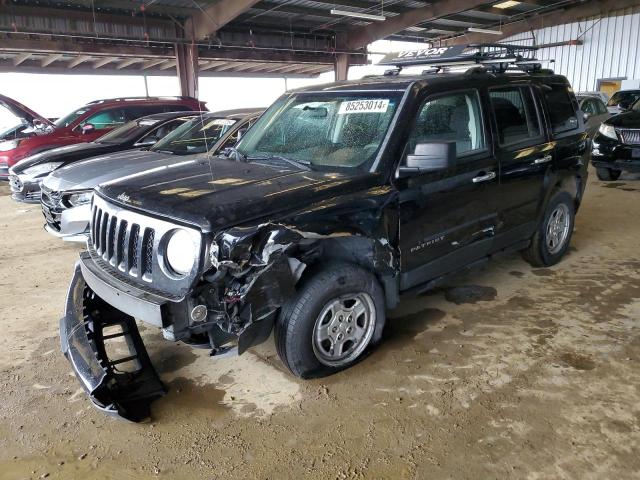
<point>337,201</point>
<point>616,146</point>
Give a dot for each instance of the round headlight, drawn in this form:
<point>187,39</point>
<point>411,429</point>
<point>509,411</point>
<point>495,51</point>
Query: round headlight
<point>181,252</point>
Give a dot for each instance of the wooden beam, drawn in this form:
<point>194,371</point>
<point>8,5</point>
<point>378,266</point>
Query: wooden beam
<point>78,60</point>
<point>49,59</point>
<point>128,62</point>
<point>592,8</point>
<point>21,58</point>
<point>363,36</point>
<point>103,61</point>
<point>212,18</point>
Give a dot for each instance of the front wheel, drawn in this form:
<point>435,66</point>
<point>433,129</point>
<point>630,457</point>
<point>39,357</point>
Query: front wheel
<point>331,322</point>
<point>607,174</point>
<point>552,238</point>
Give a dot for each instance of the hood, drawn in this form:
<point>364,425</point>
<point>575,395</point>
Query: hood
<point>66,155</point>
<point>87,174</point>
<point>625,120</point>
<point>21,111</point>
<point>213,193</point>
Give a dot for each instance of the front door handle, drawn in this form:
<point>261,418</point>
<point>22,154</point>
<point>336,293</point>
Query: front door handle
<point>484,178</point>
<point>545,159</point>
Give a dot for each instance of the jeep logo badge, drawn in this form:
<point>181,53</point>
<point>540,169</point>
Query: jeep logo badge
<point>123,197</point>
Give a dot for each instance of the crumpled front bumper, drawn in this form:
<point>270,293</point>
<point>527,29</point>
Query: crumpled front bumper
<point>88,325</point>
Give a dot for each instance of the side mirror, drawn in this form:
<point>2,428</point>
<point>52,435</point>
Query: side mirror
<point>586,116</point>
<point>88,128</point>
<point>430,157</point>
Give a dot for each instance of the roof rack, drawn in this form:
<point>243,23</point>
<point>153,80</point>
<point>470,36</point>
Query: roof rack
<point>495,57</point>
<point>132,98</point>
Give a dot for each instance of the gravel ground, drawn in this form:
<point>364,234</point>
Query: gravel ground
<point>506,372</point>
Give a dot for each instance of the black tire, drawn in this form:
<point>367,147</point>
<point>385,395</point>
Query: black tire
<point>607,174</point>
<point>539,254</point>
<point>294,329</point>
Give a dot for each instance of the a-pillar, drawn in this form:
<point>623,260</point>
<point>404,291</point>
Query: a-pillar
<point>187,66</point>
<point>341,66</point>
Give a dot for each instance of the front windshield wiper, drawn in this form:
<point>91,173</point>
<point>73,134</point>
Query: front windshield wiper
<point>296,163</point>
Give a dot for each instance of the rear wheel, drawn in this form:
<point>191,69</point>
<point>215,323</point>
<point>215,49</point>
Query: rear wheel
<point>553,236</point>
<point>331,321</point>
<point>607,174</point>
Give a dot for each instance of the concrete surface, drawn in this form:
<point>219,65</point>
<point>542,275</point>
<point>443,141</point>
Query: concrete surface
<point>508,372</point>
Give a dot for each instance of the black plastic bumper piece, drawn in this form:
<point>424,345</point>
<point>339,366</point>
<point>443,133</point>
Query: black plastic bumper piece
<point>124,386</point>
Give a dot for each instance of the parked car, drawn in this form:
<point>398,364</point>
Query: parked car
<point>340,198</point>
<point>27,175</point>
<point>27,122</point>
<point>603,96</point>
<point>67,191</point>
<point>616,146</point>
<point>595,112</point>
<point>89,123</point>
<point>622,100</point>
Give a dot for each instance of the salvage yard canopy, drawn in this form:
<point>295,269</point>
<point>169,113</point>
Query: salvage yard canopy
<point>253,37</point>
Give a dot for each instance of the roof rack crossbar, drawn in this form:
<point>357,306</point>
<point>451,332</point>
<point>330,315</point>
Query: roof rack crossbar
<point>459,55</point>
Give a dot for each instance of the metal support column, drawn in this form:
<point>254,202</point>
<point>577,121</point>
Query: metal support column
<point>187,66</point>
<point>341,66</point>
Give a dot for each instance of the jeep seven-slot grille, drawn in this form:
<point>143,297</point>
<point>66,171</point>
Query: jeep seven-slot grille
<point>125,245</point>
<point>630,137</point>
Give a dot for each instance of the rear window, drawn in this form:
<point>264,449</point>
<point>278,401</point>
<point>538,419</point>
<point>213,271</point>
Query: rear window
<point>625,97</point>
<point>561,110</point>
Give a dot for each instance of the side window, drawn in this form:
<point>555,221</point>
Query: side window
<point>561,110</point>
<point>106,119</point>
<point>515,113</point>
<point>601,108</point>
<point>450,118</point>
<point>134,113</point>
<point>588,106</point>
<point>159,132</point>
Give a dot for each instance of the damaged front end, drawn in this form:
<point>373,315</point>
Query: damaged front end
<point>121,385</point>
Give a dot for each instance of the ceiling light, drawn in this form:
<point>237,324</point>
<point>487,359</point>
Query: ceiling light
<point>507,4</point>
<point>364,16</point>
<point>484,30</point>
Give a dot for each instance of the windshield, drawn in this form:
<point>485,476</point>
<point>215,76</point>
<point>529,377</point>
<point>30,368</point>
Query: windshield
<point>196,136</point>
<point>127,131</point>
<point>69,119</point>
<point>623,97</point>
<point>324,130</point>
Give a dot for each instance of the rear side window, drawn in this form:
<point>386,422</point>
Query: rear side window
<point>450,118</point>
<point>516,116</point>
<point>561,111</point>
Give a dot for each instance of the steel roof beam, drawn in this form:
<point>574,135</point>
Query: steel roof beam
<point>212,18</point>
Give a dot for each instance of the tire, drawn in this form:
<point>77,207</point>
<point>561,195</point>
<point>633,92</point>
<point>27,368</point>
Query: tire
<point>544,251</point>
<point>339,292</point>
<point>607,174</point>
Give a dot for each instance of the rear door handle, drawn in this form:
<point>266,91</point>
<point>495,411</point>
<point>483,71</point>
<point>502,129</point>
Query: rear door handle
<point>545,159</point>
<point>484,178</point>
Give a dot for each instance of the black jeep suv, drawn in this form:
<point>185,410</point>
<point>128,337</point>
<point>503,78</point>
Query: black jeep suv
<point>337,201</point>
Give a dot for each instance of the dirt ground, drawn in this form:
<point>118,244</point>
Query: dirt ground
<point>507,372</point>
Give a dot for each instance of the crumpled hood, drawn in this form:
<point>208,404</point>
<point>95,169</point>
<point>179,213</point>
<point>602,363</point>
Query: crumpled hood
<point>87,174</point>
<point>625,120</point>
<point>212,193</point>
<point>66,154</point>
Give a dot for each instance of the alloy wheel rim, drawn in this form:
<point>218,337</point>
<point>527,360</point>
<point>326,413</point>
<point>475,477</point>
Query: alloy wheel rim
<point>343,329</point>
<point>557,229</point>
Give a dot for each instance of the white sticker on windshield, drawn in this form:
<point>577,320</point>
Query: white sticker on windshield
<point>364,106</point>
<point>223,121</point>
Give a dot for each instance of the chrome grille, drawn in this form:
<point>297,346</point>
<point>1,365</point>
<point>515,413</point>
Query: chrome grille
<point>121,244</point>
<point>629,137</point>
<point>128,244</point>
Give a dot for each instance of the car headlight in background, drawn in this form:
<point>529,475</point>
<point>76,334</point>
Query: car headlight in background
<point>9,145</point>
<point>76,199</point>
<point>181,252</point>
<point>42,169</point>
<point>608,131</point>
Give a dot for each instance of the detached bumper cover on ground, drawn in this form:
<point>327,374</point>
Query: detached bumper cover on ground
<point>127,394</point>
